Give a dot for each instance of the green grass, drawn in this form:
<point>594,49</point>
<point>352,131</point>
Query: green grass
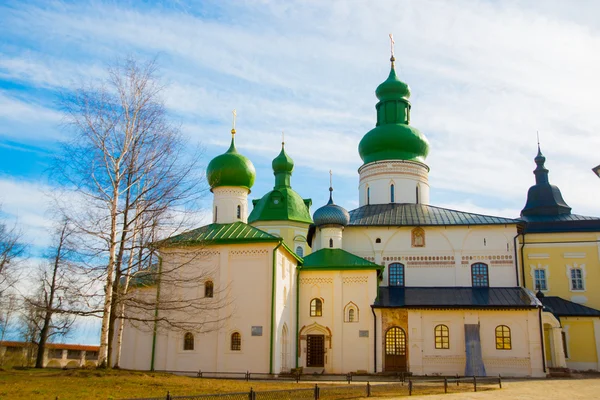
<point>115,384</point>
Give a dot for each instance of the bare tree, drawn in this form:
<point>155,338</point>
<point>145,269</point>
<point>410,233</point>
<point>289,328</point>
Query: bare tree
<point>11,250</point>
<point>50,311</point>
<point>125,161</point>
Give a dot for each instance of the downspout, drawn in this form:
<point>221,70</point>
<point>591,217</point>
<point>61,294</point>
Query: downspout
<point>155,329</point>
<point>542,339</point>
<point>523,261</point>
<point>374,340</point>
<point>273,305</point>
<point>517,260</point>
<point>297,314</point>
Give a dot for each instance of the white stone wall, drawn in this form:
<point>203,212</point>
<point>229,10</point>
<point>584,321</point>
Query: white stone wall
<point>446,257</point>
<point>524,359</point>
<point>226,200</point>
<point>406,176</point>
<point>345,350</point>
<point>322,236</point>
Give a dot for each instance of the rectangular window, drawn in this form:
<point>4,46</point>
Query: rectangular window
<point>540,279</point>
<point>576,279</point>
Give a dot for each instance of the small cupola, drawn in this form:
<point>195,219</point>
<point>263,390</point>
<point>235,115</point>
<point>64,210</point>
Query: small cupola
<point>330,221</point>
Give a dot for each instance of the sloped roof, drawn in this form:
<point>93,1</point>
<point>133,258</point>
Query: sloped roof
<point>565,308</point>
<point>237,232</point>
<point>420,215</point>
<point>336,259</point>
<point>561,223</point>
<point>455,297</point>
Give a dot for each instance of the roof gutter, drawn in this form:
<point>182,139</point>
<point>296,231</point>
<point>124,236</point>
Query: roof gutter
<point>273,305</point>
<point>516,259</point>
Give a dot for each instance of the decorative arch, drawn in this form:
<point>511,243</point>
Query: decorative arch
<point>285,349</point>
<point>417,237</point>
<point>351,312</point>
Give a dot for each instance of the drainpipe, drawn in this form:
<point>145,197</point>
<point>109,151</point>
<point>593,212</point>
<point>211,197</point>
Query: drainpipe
<point>542,339</point>
<point>273,305</point>
<point>517,260</point>
<point>155,328</point>
<point>523,260</point>
<point>374,340</point>
<point>297,314</point>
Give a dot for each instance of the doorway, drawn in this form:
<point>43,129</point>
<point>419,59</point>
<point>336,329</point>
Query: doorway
<point>315,350</point>
<point>395,349</point>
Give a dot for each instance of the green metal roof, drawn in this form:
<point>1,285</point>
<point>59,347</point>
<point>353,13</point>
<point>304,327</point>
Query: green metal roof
<point>237,232</point>
<point>231,169</point>
<point>420,215</point>
<point>281,204</point>
<point>336,259</point>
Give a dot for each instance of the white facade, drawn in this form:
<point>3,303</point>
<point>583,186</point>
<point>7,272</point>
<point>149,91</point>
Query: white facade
<point>230,204</point>
<point>393,181</point>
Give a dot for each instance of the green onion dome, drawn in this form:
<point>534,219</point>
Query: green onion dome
<point>331,214</point>
<point>393,138</point>
<point>282,163</point>
<point>231,169</point>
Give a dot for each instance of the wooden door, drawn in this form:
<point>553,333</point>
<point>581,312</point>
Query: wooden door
<point>395,350</point>
<point>315,351</point>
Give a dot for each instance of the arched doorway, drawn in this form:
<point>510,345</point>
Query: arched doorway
<point>395,349</point>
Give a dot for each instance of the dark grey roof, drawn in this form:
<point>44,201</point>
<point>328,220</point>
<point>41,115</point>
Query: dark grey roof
<point>565,308</point>
<point>455,297</point>
<point>420,215</point>
<point>331,214</point>
<point>561,223</point>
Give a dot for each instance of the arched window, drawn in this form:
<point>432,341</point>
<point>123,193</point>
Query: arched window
<point>316,308</point>
<point>442,337</point>
<point>378,240</point>
<point>503,338</point>
<point>395,342</point>
<point>216,213</point>
<point>396,274</point>
<point>368,195</point>
<point>236,341</point>
<point>350,312</point>
<point>239,212</point>
<point>479,275</point>
<point>188,341</point>
<point>208,289</point>
<point>330,242</point>
<point>392,193</point>
<point>351,315</point>
<point>300,251</point>
<point>417,194</point>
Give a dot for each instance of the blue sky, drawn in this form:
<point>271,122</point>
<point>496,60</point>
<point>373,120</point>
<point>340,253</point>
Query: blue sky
<point>485,76</point>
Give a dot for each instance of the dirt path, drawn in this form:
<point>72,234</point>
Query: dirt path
<point>547,389</point>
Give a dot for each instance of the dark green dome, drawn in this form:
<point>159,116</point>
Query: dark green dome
<point>392,88</point>
<point>393,138</point>
<point>283,163</point>
<point>231,169</point>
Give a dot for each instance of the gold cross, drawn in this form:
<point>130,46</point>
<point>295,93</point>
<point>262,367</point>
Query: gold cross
<point>330,179</point>
<point>392,44</point>
<point>234,115</point>
<point>282,138</point>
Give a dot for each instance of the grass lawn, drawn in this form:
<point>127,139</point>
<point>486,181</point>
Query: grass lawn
<point>100,384</point>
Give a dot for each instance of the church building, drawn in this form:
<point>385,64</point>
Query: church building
<point>396,284</point>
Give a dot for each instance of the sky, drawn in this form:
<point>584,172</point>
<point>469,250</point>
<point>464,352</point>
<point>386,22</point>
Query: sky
<point>485,77</point>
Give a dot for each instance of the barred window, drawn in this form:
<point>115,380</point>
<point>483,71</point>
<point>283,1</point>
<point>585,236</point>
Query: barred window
<point>316,308</point>
<point>503,338</point>
<point>479,275</point>
<point>208,289</point>
<point>351,315</point>
<point>540,279</point>
<point>188,341</point>
<point>442,337</point>
<point>576,279</point>
<point>396,274</point>
<point>236,341</point>
<point>239,212</point>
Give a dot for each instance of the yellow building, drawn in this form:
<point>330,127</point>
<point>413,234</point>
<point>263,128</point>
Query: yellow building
<point>560,254</point>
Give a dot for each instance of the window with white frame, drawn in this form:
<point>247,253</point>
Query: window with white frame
<point>540,279</point>
<point>576,279</point>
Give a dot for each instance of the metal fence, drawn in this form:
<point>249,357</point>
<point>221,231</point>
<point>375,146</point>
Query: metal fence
<point>417,386</point>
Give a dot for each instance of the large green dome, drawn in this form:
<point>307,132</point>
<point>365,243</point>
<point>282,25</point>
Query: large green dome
<point>231,169</point>
<point>393,138</point>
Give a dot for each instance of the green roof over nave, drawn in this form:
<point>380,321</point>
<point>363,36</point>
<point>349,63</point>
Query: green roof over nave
<point>237,232</point>
<point>336,259</point>
<point>282,203</point>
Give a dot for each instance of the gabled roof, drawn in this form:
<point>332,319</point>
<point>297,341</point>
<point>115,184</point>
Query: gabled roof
<point>237,232</point>
<point>565,308</point>
<point>420,215</point>
<point>336,259</point>
<point>455,297</point>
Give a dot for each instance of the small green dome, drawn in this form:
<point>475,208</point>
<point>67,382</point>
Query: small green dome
<point>392,88</point>
<point>393,138</point>
<point>231,169</point>
<point>283,163</point>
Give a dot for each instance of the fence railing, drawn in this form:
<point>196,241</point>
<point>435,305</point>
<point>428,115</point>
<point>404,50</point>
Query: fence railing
<point>419,385</point>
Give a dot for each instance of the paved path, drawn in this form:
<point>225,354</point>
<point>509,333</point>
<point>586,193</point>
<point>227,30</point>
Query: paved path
<point>546,389</point>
